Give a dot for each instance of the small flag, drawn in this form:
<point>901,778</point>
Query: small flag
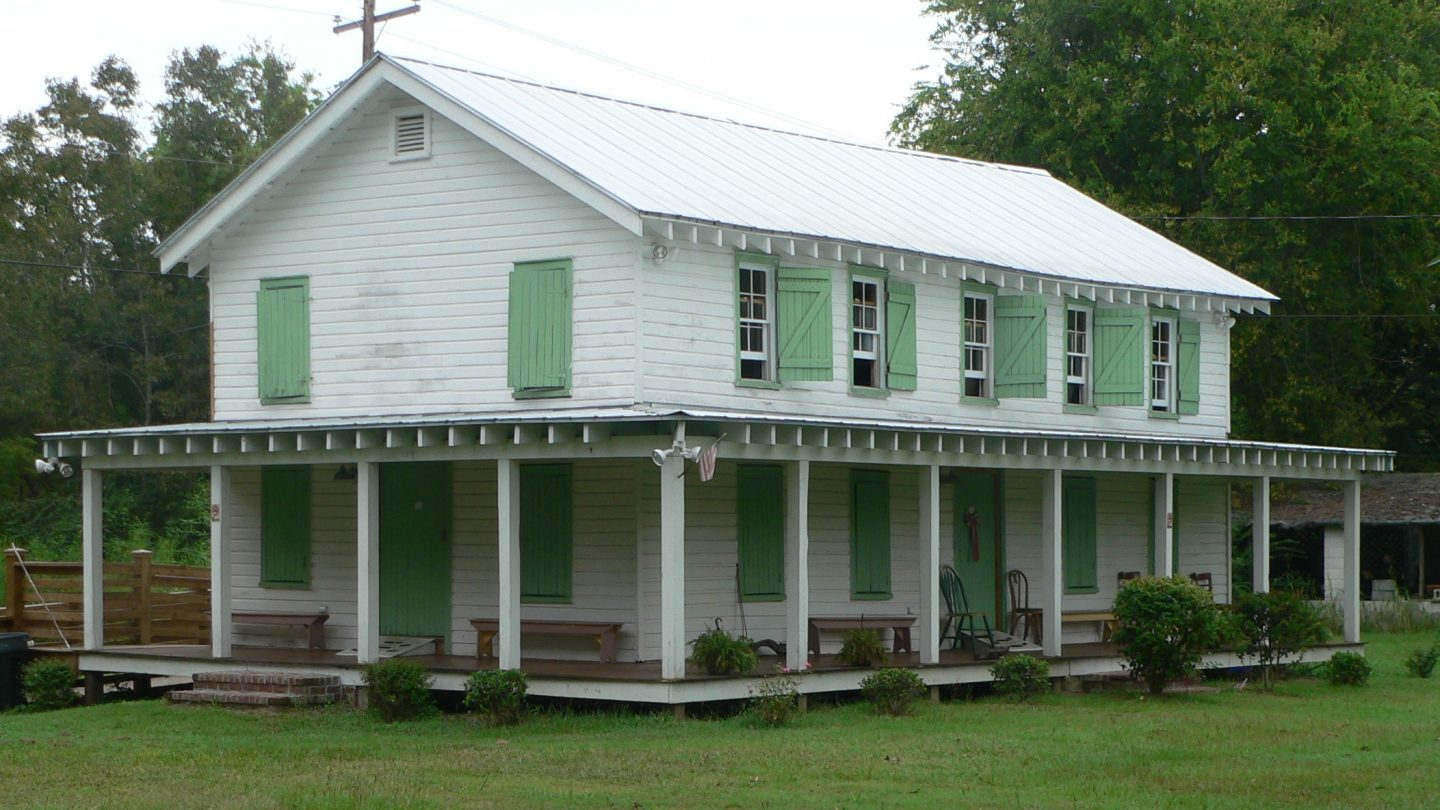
<point>706,461</point>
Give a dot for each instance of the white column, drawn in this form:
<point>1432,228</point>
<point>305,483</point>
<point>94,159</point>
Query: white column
<point>1260,535</point>
<point>1164,525</point>
<point>1351,596</point>
<point>1051,549</point>
<point>797,563</point>
<point>672,568</point>
<point>508,641</point>
<point>929,564</point>
<point>221,633</point>
<point>367,581</point>
<point>93,550</point>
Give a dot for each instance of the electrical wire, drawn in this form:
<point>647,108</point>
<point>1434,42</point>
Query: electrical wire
<point>280,8</point>
<point>94,268</point>
<point>1291,217</point>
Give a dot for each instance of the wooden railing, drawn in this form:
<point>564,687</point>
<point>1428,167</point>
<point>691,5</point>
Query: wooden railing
<point>144,603</point>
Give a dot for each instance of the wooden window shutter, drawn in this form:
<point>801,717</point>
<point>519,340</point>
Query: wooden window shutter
<point>1020,340</point>
<point>1078,535</point>
<point>285,526</point>
<point>1121,344</point>
<point>282,339</point>
<point>540,328</point>
<point>869,534</point>
<point>804,324</point>
<point>760,524</point>
<point>900,361</point>
<point>1189,372</point>
<point>546,532</point>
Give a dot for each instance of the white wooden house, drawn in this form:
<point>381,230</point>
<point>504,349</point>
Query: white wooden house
<point>459,319</point>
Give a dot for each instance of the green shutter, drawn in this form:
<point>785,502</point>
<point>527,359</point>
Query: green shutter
<point>546,532</point>
<point>282,339</point>
<point>805,325</point>
<point>1078,535</point>
<point>1120,350</point>
<point>540,313</point>
<point>1189,376</point>
<point>869,534</point>
<point>1020,340</point>
<point>285,526</point>
<point>900,364</point>
<point>760,525</point>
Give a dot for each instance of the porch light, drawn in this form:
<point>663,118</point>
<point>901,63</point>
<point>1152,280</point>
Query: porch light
<point>345,472</point>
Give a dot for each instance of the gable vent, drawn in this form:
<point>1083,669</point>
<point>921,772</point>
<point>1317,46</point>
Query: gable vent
<point>412,137</point>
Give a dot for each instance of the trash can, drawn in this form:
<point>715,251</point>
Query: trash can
<point>14,649</point>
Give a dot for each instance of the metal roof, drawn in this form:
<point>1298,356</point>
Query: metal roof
<point>695,168</point>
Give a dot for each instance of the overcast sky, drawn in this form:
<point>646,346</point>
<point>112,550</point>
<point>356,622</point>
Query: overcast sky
<point>839,66</point>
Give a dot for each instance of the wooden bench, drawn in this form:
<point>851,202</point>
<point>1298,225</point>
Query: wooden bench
<point>314,623</point>
<point>1104,618</point>
<point>900,624</point>
<point>604,633</point>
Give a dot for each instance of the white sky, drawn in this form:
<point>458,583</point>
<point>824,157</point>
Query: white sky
<point>840,66</point>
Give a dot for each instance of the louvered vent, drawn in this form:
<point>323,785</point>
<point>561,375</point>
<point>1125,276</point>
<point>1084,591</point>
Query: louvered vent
<point>411,139</point>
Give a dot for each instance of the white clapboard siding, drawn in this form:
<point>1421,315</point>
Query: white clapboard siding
<point>408,264</point>
<point>688,337</point>
<point>1204,531</point>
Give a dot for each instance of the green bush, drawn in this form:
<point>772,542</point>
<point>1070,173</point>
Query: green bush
<point>1273,627</point>
<point>892,691</point>
<point>49,683</point>
<point>1165,625</point>
<point>1021,676</point>
<point>398,690</point>
<point>500,693</point>
<point>719,653</point>
<point>1348,669</point>
<point>1421,663</point>
<point>775,700</point>
<point>863,648</point>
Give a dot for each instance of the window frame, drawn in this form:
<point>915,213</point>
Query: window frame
<point>876,277</point>
<point>771,268</point>
<point>1171,364</point>
<point>1086,379</point>
<point>987,349</point>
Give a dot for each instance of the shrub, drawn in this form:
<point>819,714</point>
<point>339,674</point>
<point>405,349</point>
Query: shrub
<point>1021,676</point>
<point>1165,625</point>
<point>775,700</point>
<point>892,691</point>
<point>719,653</point>
<point>398,689</point>
<point>1349,669</point>
<point>1421,663</point>
<point>1276,626</point>
<point>500,693</point>
<point>862,648</point>
<point>49,683</point>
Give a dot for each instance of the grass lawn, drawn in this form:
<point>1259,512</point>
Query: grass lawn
<point>1309,744</point>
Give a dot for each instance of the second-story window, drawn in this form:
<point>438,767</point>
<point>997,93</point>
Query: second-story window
<point>1077,356</point>
<point>1162,365</point>
<point>865,332</point>
<point>757,323</point>
<point>978,345</point>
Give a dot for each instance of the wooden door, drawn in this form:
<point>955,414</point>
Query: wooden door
<point>415,521</point>
<point>979,554</point>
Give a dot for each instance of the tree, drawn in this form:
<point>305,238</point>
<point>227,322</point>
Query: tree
<point>1237,108</point>
<point>1275,627</point>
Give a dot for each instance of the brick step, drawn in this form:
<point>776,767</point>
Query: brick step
<point>220,697</point>
<point>251,680</point>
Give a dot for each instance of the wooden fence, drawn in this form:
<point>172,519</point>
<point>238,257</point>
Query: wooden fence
<point>144,603</point>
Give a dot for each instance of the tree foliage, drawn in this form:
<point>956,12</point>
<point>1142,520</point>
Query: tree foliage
<point>1239,108</point>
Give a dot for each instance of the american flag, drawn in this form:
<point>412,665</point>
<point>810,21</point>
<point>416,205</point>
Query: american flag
<point>706,461</point>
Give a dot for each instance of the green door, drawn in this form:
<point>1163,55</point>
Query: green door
<point>415,549</point>
<point>979,558</point>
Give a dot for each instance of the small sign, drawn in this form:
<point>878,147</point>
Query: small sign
<point>1169,520</point>
<point>214,512</point>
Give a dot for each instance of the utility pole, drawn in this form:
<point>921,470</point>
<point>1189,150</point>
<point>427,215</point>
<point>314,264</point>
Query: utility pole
<point>366,24</point>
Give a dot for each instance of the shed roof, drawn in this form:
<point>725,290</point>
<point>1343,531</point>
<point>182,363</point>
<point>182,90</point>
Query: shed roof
<point>1395,498</point>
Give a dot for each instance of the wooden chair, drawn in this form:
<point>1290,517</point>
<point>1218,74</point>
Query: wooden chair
<point>1204,580</point>
<point>959,618</point>
<point>1124,577</point>
<point>1020,608</point>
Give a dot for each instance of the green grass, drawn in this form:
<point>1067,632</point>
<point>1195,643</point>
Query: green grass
<point>1307,745</point>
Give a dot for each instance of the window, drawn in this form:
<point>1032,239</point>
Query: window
<point>539,329</point>
<point>411,135</point>
<point>869,534</point>
<point>760,526</point>
<point>282,340</point>
<point>757,322</point>
<point>546,521</point>
<point>977,327</point>
<point>1162,365</point>
<point>1078,535</point>
<point>285,527</point>
<point>865,333</point>
<point>1077,356</point>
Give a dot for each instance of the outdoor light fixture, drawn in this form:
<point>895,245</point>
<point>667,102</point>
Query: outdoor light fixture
<point>45,466</point>
<point>345,472</point>
<point>659,456</point>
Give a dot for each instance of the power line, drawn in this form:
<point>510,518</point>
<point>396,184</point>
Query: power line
<point>280,8</point>
<point>1291,217</point>
<point>1356,315</point>
<point>93,268</point>
<point>487,65</point>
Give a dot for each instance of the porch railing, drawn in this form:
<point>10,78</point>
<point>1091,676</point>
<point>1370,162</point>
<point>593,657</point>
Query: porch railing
<point>144,603</point>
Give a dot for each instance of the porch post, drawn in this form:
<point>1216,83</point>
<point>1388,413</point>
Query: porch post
<point>508,639</point>
<point>1260,536</point>
<point>367,582</point>
<point>221,631</point>
<point>93,557</point>
<point>797,563</point>
<point>1351,595</point>
<point>672,567</point>
<point>1051,549</point>
<point>929,564</point>
<point>1165,525</point>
